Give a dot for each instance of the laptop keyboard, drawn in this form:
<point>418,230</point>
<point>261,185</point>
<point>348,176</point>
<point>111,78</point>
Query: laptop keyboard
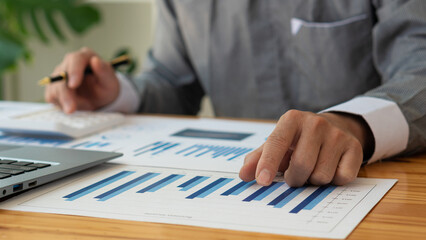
<point>10,168</point>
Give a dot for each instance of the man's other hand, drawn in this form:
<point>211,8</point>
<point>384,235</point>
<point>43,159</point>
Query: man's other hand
<point>83,91</point>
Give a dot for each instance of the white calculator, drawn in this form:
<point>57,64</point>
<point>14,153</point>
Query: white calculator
<point>52,121</point>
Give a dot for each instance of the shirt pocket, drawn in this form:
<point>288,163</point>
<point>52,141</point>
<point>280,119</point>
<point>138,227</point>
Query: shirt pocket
<point>332,60</point>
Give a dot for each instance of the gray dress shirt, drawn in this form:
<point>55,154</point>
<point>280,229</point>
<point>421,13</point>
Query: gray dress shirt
<point>260,58</point>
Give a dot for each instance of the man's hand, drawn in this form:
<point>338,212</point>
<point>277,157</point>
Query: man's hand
<point>308,147</point>
<point>80,91</point>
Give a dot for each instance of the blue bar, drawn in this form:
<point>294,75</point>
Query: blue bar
<point>290,197</point>
<point>240,190</point>
<point>92,144</point>
<point>181,151</point>
<point>309,199</point>
<point>142,148</point>
<point>193,184</point>
<point>219,150</point>
<point>235,151</point>
<point>268,191</point>
<point>208,150</point>
<point>189,181</point>
<point>152,149</point>
<point>124,187</point>
<point>163,182</point>
<point>259,193</point>
<point>237,189</point>
<point>205,191</point>
<point>165,149</point>
<point>199,147</point>
<point>84,191</point>
<point>320,198</point>
<point>80,144</point>
<point>227,150</point>
<point>241,153</point>
<point>104,144</point>
<point>282,196</point>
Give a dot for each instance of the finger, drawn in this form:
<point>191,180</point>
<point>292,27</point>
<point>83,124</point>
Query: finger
<point>76,65</point>
<point>84,104</point>
<point>248,170</point>
<point>101,69</point>
<point>349,165</point>
<point>326,165</point>
<point>286,160</point>
<point>66,98</point>
<point>276,147</point>
<point>304,157</point>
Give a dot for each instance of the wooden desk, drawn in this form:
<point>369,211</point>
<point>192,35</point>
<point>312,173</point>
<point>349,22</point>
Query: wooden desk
<point>401,214</point>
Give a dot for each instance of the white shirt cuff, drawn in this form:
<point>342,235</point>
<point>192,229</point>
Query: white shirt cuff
<point>127,100</point>
<point>386,121</point>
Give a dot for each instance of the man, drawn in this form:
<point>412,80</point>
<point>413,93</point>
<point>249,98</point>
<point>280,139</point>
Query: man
<point>259,59</point>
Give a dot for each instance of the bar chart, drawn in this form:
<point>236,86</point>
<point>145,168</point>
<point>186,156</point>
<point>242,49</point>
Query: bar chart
<point>210,199</point>
<point>185,172</point>
<point>91,145</point>
<point>182,150</point>
<point>221,186</point>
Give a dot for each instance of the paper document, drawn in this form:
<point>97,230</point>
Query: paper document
<point>207,199</point>
<point>185,171</point>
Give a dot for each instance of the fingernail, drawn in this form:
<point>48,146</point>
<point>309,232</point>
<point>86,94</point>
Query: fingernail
<point>264,177</point>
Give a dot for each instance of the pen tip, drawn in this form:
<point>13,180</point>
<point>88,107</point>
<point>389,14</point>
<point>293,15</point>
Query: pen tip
<point>44,81</point>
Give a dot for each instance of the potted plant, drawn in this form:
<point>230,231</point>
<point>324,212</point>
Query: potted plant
<point>20,20</point>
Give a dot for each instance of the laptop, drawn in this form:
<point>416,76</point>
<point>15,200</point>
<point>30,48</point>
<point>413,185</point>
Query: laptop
<point>26,167</point>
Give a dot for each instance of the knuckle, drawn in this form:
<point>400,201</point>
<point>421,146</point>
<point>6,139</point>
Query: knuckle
<point>69,56</point>
<point>356,146</point>
<point>344,178</point>
<point>300,165</point>
<point>317,122</point>
<point>292,114</point>
<point>320,177</point>
<point>87,52</point>
<point>336,135</point>
<point>293,181</point>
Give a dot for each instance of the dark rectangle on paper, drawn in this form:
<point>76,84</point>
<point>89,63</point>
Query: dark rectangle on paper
<point>197,133</point>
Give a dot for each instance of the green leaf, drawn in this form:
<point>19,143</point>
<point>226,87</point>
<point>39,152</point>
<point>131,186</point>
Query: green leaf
<point>81,18</point>
<point>11,50</point>
<point>37,27</point>
<point>52,23</point>
<point>15,31</point>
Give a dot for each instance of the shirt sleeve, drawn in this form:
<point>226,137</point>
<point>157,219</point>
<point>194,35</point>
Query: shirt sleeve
<point>399,54</point>
<point>386,121</point>
<point>127,100</point>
